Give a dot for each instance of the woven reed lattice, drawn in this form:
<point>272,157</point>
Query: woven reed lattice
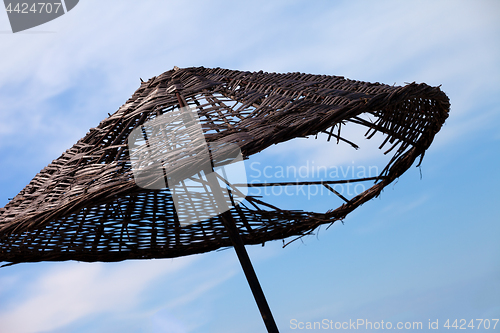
<point>85,205</point>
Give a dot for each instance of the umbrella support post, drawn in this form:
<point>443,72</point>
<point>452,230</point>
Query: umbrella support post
<point>252,279</point>
<point>238,245</point>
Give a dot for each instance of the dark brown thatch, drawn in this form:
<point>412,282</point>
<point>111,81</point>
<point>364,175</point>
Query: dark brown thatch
<point>85,205</point>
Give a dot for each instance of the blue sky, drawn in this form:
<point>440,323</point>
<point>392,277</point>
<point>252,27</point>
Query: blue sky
<point>426,249</point>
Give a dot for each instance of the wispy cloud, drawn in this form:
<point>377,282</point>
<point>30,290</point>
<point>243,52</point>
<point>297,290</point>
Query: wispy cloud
<point>103,56</point>
<point>76,290</point>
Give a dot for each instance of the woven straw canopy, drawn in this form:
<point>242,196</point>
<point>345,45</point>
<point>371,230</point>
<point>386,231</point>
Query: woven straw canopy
<point>86,206</point>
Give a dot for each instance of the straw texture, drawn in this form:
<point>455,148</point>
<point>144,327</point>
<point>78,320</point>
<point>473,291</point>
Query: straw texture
<point>86,206</point>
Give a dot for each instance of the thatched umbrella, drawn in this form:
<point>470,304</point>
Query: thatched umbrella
<point>86,205</point>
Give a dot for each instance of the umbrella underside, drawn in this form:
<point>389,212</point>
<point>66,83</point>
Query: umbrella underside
<point>86,206</point>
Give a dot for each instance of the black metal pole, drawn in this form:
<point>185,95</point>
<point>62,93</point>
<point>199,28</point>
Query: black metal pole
<point>252,279</point>
<point>239,247</point>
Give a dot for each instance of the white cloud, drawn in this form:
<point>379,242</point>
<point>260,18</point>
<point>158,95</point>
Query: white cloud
<point>76,290</point>
<point>433,42</point>
<point>448,43</point>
